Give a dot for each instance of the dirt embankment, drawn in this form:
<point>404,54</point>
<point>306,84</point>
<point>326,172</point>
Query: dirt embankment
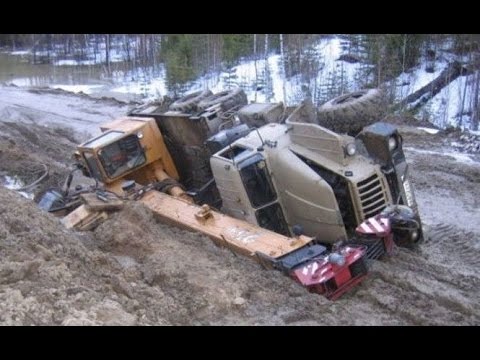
<point>135,270</point>
<point>47,275</point>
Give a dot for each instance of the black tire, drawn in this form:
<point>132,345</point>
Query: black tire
<point>188,103</point>
<point>349,113</point>
<point>228,99</point>
<point>403,239</point>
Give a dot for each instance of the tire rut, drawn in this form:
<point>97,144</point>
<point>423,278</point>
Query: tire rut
<point>454,246</point>
<point>428,287</point>
<point>398,294</point>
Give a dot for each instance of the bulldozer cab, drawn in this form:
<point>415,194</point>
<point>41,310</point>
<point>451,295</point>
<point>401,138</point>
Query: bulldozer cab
<point>126,146</point>
<point>116,155</point>
<point>112,155</point>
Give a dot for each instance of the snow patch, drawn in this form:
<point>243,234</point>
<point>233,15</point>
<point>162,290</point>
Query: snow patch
<point>14,183</point>
<point>70,62</point>
<point>463,158</point>
<point>22,82</point>
<point>20,52</point>
<point>146,82</point>
<point>446,106</point>
<point>429,130</point>
<point>86,89</point>
<point>150,89</point>
<point>409,82</point>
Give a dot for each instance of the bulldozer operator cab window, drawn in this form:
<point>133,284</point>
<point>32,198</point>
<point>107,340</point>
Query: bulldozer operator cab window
<point>257,182</point>
<point>122,156</point>
<point>93,166</point>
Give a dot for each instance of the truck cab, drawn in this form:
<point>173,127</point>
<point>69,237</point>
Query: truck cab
<point>282,176</point>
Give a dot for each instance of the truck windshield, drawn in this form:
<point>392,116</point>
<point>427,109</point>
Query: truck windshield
<point>257,182</point>
<point>122,156</point>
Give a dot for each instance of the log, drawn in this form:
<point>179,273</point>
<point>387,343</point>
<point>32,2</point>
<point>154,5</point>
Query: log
<point>450,73</point>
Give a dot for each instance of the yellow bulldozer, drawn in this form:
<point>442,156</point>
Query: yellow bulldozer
<point>266,181</point>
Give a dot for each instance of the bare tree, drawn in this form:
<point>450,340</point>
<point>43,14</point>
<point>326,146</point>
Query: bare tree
<point>475,109</point>
<point>284,75</point>
<point>107,52</point>
<point>34,48</point>
<point>255,63</point>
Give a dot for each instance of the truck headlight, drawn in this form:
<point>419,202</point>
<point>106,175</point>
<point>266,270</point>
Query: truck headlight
<point>351,149</point>
<point>392,143</point>
<point>414,235</point>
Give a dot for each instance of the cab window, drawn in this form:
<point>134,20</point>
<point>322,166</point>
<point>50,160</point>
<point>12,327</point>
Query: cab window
<point>122,156</point>
<point>255,177</point>
<point>92,166</point>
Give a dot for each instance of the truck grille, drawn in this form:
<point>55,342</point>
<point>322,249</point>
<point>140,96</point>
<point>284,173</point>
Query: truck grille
<point>372,197</point>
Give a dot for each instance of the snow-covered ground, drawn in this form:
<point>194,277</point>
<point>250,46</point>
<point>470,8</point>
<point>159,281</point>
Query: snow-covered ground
<point>409,82</point>
<point>445,108</point>
<point>115,55</point>
<point>429,130</point>
<point>86,89</point>
<point>460,157</point>
<point>147,82</point>
<point>266,81</point>
<point>91,55</point>
<point>20,52</point>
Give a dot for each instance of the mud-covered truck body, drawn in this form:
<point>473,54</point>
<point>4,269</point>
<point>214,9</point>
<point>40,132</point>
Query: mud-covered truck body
<point>301,174</point>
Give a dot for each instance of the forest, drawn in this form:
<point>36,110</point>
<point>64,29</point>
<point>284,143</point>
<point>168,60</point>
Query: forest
<point>380,61</point>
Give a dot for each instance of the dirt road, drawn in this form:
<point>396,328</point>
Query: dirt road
<point>54,108</point>
<point>135,270</point>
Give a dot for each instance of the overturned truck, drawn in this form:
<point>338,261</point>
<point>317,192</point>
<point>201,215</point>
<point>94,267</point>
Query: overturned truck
<point>266,181</point>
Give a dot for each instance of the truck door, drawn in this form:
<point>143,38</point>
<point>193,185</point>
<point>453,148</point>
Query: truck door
<point>262,194</point>
<point>308,200</point>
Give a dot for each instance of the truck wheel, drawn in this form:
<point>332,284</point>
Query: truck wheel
<point>189,102</point>
<point>406,240</point>
<point>349,113</point>
<point>227,99</point>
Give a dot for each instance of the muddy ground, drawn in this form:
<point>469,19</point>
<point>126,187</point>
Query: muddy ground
<point>134,270</point>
